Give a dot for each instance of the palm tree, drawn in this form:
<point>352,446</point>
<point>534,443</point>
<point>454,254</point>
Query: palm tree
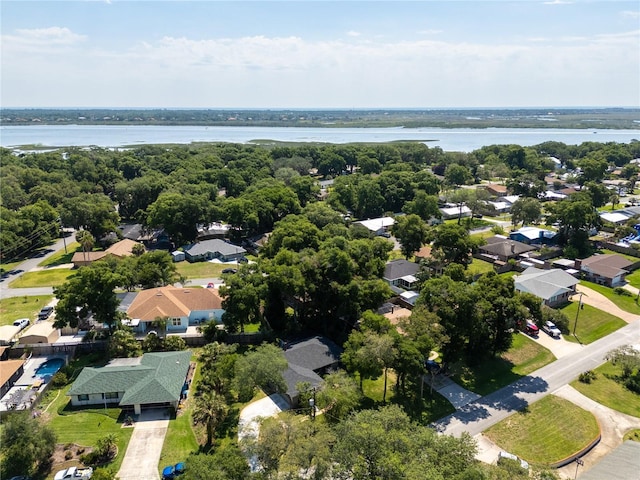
<point>85,239</point>
<point>211,410</point>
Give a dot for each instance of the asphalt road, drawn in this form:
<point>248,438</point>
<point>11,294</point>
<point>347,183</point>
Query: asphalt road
<point>477,416</point>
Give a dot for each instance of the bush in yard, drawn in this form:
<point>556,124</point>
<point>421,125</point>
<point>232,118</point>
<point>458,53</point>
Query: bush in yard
<point>59,379</point>
<point>587,377</point>
<point>633,383</point>
<point>621,291</point>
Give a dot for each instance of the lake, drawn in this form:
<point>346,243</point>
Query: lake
<point>455,139</point>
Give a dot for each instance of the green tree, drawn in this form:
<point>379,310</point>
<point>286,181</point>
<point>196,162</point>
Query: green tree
<point>27,445</point>
<point>94,212</point>
<point>456,175</point>
<point>174,343</point>
<point>90,289</point>
<point>338,395</point>
<point>86,241</point>
<point>262,368</point>
<point>411,232</point>
<point>123,344</point>
<point>454,242</point>
<point>526,210</point>
<point>242,296</point>
<point>179,214</point>
<point>423,205</point>
<point>210,410</point>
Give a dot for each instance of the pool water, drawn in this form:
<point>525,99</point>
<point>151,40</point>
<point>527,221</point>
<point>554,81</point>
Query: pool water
<point>49,368</point>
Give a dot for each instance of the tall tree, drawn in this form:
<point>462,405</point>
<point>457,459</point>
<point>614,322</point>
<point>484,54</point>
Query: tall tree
<point>411,232</point>
<point>526,210</point>
<point>210,410</point>
<point>27,444</point>
<point>263,368</point>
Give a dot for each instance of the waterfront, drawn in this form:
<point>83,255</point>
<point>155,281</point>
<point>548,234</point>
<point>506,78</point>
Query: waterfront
<point>457,139</point>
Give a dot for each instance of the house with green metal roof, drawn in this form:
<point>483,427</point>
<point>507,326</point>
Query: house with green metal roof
<point>156,379</point>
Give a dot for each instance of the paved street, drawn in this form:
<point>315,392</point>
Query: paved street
<point>477,416</point>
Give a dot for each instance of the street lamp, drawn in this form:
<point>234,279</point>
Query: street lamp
<point>579,463</point>
<point>575,325</point>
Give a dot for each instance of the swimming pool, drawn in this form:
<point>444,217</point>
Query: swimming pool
<point>49,368</point>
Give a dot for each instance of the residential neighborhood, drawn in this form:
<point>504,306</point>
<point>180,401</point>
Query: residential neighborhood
<point>449,299</point>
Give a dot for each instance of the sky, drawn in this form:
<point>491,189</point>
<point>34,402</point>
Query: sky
<point>320,54</point>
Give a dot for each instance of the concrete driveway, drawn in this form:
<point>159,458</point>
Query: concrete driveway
<point>558,346</point>
<point>143,453</point>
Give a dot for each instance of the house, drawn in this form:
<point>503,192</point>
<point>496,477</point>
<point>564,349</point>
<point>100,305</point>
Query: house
<point>40,332</point>
<point>177,256</point>
<point>553,286</point>
<point>181,307</point>
<point>496,190</point>
<point>157,379</point>
<point>121,249</point>
<point>10,372</point>
<point>8,333</point>
<point>212,230</point>
<point>454,212</point>
<point>609,270</point>
<point>401,273</point>
<point>503,249</point>
<point>308,359</point>
<point>511,199</point>
<point>152,239</point>
<point>214,249</point>
<point>377,226</point>
<point>617,218</point>
<point>501,207</point>
<point>408,298</point>
<point>533,236</point>
<point>551,195</point>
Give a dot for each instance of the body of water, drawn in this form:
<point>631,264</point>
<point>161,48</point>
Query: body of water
<point>455,139</point>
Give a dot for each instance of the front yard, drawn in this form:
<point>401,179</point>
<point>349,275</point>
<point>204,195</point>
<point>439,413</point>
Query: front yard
<point>21,307</point>
<point>524,357</point>
<point>549,430</point>
<point>593,323</point>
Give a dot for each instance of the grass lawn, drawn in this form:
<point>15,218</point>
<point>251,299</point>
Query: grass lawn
<point>425,410</point>
<point>607,391</point>
<point>632,435</point>
<point>530,435</point>
<point>43,278</point>
<point>180,440</point>
<point>593,323</point>
<point>201,269</point>
<point>624,302</point>
<point>61,258</point>
<point>21,307</point>
<point>479,267</point>
<point>634,278</point>
<point>524,357</point>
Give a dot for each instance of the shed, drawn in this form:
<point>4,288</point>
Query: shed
<point>178,256</point>
<point>41,332</point>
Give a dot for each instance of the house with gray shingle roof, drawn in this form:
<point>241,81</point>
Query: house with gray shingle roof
<point>156,379</point>
<point>213,249</point>
<point>553,286</point>
<point>308,359</point>
<point>401,273</point>
<point>609,270</point>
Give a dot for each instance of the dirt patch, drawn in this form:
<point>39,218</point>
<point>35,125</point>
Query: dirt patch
<point>68,455</point>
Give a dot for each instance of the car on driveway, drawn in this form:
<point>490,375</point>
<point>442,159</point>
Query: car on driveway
<point>531,329</point>
<point>550,329</point>
<point>45,312</point>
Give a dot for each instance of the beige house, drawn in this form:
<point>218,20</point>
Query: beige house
<point>123,248</point>
<point>41,332</point>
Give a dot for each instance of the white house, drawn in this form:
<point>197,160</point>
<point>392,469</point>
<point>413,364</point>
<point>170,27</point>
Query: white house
<point>377,225</point>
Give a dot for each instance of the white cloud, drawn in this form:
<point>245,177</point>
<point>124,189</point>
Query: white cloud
<point>353,33</point>
<point>558,2</point>
<point>634,14</point>
<point>429,32</point>
<point>40,41</point>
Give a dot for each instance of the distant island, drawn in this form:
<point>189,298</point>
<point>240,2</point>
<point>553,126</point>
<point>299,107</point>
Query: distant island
<point>574,118</point>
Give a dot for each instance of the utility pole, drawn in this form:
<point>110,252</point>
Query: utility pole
<point>64,239</point>
<point>577,313</point>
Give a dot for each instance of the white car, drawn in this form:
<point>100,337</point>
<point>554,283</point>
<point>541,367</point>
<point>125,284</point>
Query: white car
<point>74,473</point>
<point>551,329</point>
<point>21,323</point>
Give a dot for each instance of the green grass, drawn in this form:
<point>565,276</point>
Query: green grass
<point>532,436</point>
<point>42,278</point>
<point>179,442</point>
<point>609,392</point>
<point>21,307</point>
<point>524,357</point>
<point>201,269</point>
<point>634,278</point>
<point>479,267</point>
<point>624,302</point>
<point>632,435</point>
<point>593,323</point>
<point>60,257</point>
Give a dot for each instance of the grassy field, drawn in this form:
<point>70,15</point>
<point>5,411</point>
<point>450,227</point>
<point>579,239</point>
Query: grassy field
<point>21,307</point>
<point>632,435</point>
<point>60,257</point>
<point>42,278</point>
<point>201,269</point>
<point>524,357</point>
<point>607,391</point>
<point>624,302</point>
<point>530,435</point>
<point>593,323</point>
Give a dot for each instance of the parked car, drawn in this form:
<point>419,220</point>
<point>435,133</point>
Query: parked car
<point>551,329</point>
<point>22,323</point>
<point>74,473</point>
<point>531,329</point>
<point>229,270</point>
<point>45,312</point>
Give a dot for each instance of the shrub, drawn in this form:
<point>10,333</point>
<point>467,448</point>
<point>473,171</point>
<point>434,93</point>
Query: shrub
<point>59,379</point>
<point>621,291</point>
<point>633,383</point>
<point>68,455</point>
<point>587,377</point>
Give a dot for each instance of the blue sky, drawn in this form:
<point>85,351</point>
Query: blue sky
<point>319,54</point>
